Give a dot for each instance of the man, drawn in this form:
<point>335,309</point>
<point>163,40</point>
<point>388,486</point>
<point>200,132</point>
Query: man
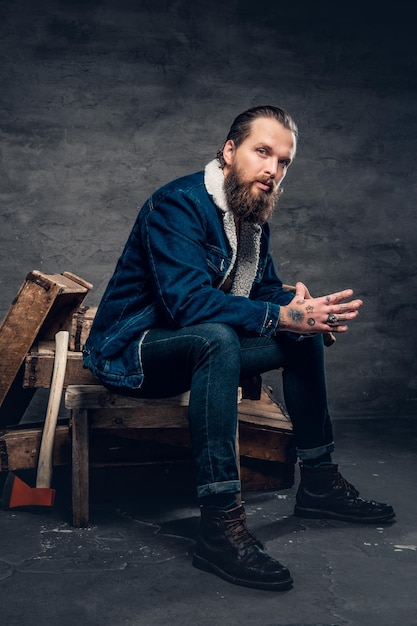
<point>195,303</point>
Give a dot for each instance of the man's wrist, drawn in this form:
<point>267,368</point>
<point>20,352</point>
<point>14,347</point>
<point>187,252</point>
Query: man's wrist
<point>281,325</point>
<point>290,319</point>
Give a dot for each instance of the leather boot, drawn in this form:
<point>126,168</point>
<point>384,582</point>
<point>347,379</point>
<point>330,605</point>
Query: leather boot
<point>226,548</point>
<point>324,493</point>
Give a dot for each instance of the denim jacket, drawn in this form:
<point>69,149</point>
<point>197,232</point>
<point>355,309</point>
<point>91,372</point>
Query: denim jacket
<point>178,255</point>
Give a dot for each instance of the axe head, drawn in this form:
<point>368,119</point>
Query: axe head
<point>16,493</point>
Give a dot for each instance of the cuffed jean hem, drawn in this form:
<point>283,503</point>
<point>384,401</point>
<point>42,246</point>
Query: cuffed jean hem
<point>228,486</point>
<point>313,453</point>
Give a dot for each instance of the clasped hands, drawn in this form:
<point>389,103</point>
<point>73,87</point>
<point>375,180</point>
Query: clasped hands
<point>306,315</point>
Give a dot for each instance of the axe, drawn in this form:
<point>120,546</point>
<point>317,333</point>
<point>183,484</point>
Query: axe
<point>16,493</point>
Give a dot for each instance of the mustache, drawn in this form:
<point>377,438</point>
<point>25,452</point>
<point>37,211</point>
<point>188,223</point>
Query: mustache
<point>273,186</point>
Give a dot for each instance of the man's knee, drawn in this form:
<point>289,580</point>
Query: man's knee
<point>218,339</point>
<point>215,332</point>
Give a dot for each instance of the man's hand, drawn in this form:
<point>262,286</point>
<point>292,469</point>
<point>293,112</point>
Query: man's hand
<point>306,314</point>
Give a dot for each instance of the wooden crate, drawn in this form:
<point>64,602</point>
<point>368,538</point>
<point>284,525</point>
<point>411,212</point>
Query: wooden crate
<point>44,305</point>
<point>265,437</point>
<point>154,431</point>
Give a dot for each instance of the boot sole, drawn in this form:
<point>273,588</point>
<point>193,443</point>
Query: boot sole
<point>318,514</point>
<point>206,566</point>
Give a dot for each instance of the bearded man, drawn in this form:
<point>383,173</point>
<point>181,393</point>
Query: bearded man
<point>195,304</point>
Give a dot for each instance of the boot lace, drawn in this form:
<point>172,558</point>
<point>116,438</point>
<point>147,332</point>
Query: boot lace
<point>239,534</point>
<point>346,487</point>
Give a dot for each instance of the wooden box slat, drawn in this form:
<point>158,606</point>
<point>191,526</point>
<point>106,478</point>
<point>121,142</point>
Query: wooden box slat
<point>153,415</point>
<point>19,449</point>
<point>82,321</point>
<point>39,365</point>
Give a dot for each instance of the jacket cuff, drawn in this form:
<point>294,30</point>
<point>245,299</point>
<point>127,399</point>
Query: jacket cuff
<point>271,319</point>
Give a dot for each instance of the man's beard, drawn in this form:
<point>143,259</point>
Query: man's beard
<point>244,203</point>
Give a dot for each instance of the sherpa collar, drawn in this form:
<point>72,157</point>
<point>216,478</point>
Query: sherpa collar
<point>246,255</point>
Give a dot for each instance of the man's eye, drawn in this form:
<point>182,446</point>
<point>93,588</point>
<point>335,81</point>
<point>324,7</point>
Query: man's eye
<point>262,151</point>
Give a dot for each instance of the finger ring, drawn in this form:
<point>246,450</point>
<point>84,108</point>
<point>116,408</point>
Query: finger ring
<point>332,319</point>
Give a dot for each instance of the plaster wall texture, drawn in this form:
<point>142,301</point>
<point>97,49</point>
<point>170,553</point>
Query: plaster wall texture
<point>101,102</point>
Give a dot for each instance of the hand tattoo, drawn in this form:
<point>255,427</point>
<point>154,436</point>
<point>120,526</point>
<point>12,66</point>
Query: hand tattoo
<point>296,316</point>
<point>309,308</point>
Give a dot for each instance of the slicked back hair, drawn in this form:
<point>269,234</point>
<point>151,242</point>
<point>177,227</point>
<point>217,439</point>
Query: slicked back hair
<point>241,127</point>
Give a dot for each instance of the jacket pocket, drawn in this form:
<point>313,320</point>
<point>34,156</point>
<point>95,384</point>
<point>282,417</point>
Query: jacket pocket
<point>218,264</point>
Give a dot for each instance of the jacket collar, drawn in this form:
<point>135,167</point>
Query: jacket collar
<point>246,256</point>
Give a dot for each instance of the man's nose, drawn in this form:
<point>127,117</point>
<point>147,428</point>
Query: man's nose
<point>271,169</point>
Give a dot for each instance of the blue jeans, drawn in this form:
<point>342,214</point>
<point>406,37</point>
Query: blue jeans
<point>211,360</point>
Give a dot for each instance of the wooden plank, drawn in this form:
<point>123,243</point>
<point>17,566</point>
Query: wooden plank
<point>44,304</point>
<point>19,449</point>
<point>39,365</point>
<point>265,413</point>
<point>97,397</point>
<point>84,284</point>
<point>167,414</point>
<point>152,414</point>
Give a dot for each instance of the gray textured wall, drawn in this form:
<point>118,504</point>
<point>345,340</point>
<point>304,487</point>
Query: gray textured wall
<point>101,101</point>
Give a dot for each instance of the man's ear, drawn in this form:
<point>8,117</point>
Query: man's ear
<point>229,151</point>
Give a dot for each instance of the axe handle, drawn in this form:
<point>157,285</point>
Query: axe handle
<point>44,474</point>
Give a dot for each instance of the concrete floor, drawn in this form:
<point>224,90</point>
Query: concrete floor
<point>132,566</point>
